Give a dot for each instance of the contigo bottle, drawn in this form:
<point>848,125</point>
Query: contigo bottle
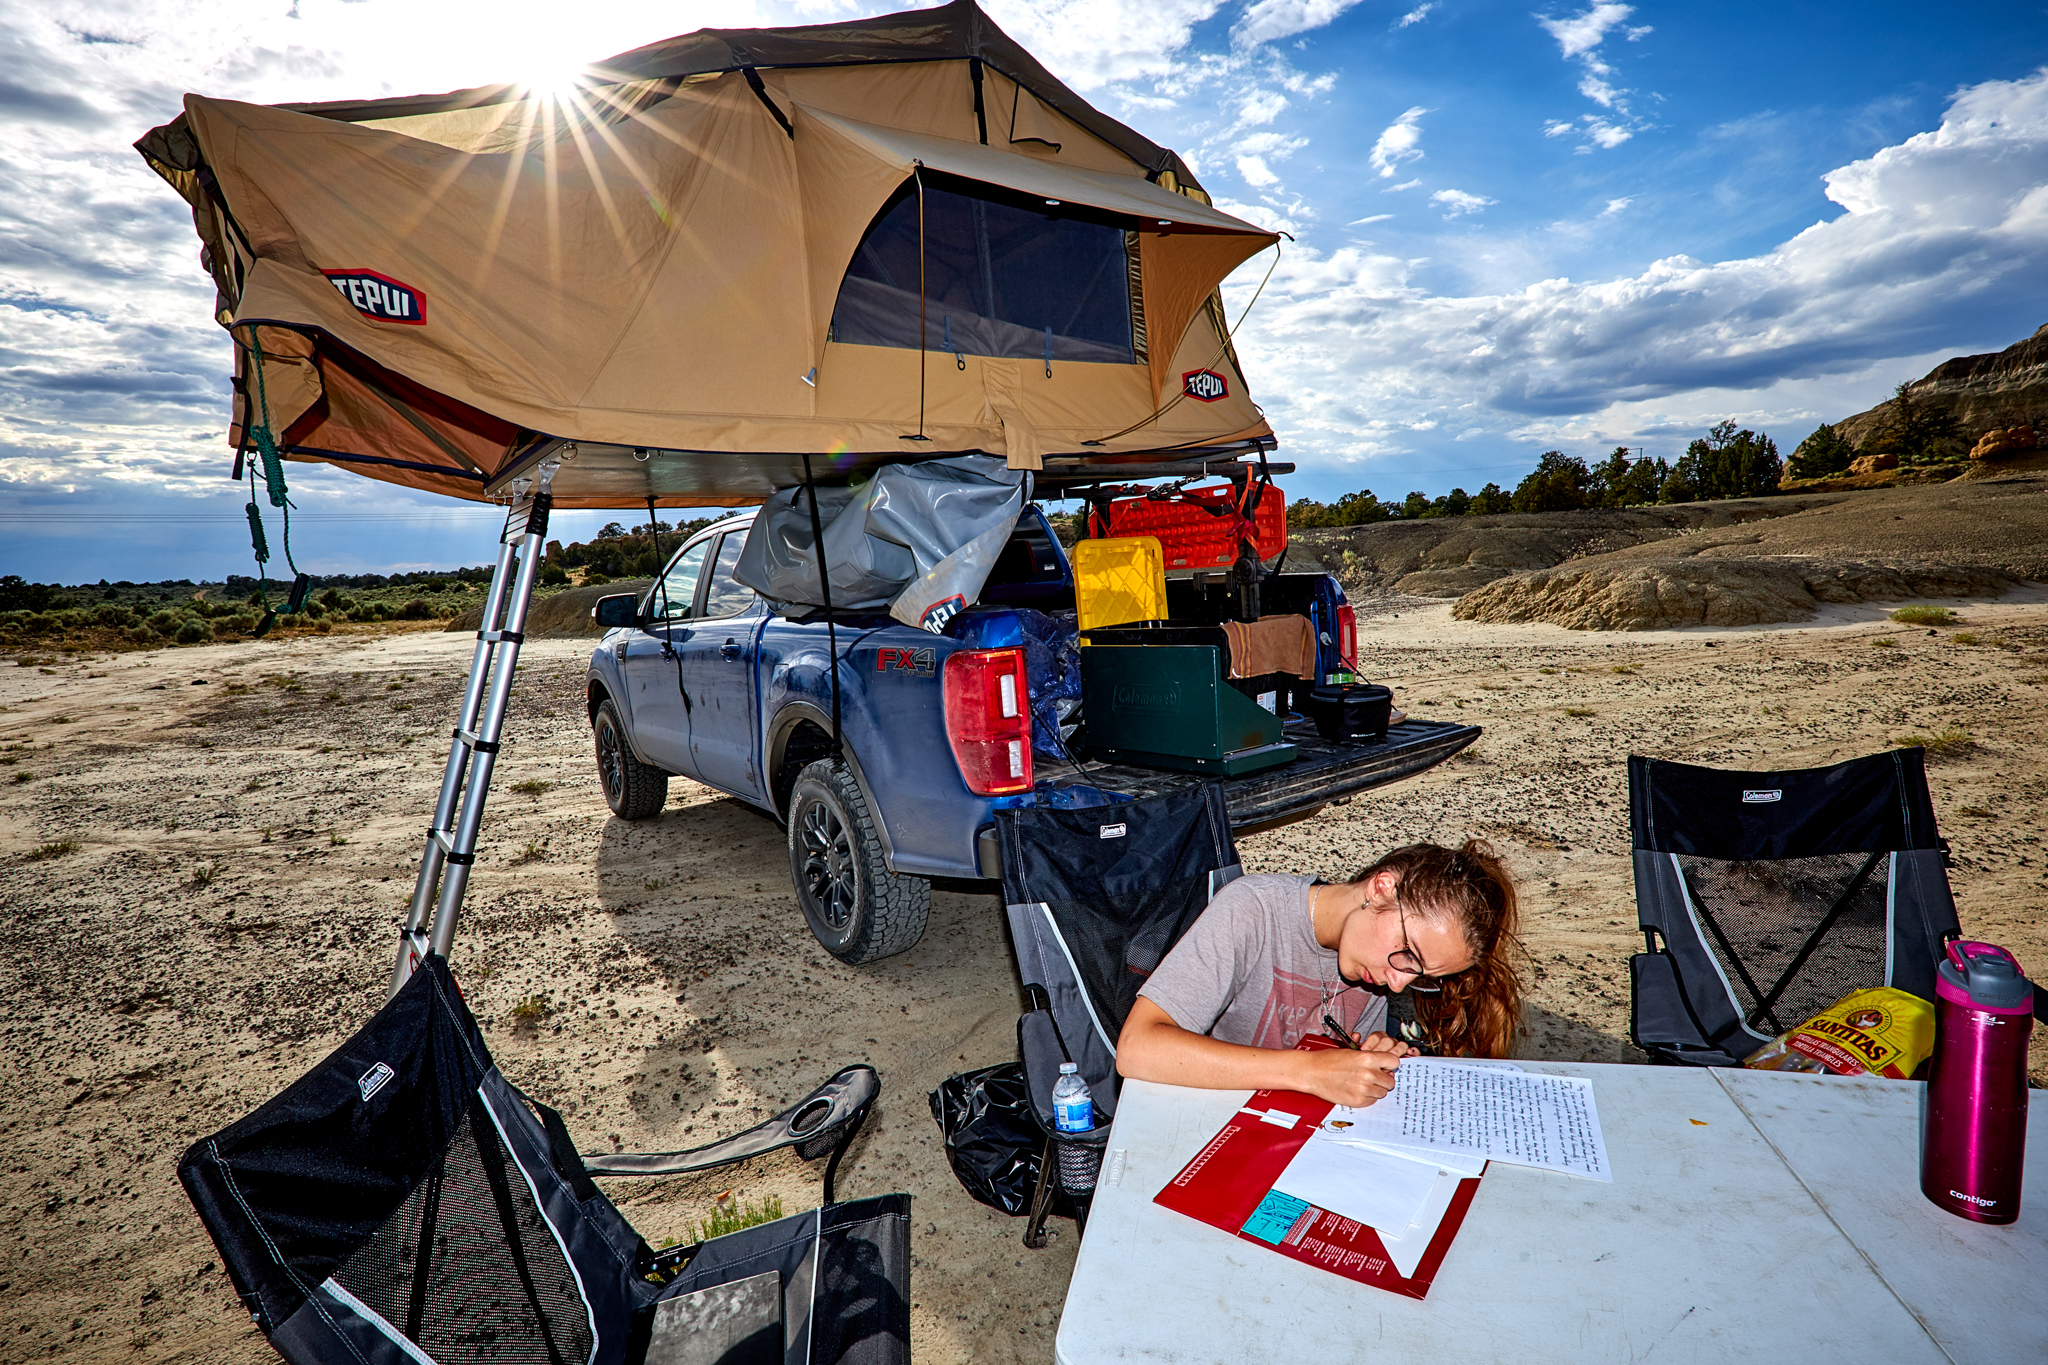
<point>1975,1135</point>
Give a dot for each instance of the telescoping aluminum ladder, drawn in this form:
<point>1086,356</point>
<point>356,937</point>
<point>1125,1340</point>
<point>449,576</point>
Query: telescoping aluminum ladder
<point>473,752</point>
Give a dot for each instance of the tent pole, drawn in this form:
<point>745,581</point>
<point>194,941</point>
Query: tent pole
<point>473,750</point>
<point>825,590</point>
<point>654,534</point>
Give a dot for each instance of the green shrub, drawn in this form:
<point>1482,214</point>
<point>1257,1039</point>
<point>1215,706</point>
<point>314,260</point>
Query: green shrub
<point>594,579</point>
<point>194,631</point>
<point>418,609</point>
<point>166,622</point>
<point>1924,616</point>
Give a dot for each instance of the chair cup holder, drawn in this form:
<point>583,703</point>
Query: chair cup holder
<point>1079,1159</point>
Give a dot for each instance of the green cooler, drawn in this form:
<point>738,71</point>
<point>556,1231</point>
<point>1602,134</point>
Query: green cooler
<point>1167,706</point>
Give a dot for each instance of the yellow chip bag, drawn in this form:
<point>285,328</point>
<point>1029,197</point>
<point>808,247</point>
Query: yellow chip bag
<point>1878,1032</point>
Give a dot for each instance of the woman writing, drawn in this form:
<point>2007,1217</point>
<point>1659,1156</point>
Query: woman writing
<point>1272,956</point>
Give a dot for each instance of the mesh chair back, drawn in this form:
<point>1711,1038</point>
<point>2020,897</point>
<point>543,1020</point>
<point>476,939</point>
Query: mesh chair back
<point>402,1202</point>
<point>1096,898</point>
<point>1774,894</point>
<point>401,1198</point>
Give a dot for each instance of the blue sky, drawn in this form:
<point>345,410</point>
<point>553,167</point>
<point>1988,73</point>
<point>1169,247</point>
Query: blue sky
<point>1517,227</point>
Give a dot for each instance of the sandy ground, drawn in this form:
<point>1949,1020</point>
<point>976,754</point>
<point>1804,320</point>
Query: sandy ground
<point>244,848</point>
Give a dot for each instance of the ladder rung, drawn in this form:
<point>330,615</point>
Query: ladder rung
<point>517,637</point>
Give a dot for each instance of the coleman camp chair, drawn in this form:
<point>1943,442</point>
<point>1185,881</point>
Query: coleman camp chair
<point>403,1204</point>
<point>1096,898</point>
<point>1764,897</point>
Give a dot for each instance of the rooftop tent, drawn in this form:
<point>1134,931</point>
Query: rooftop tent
<point>715,256</point>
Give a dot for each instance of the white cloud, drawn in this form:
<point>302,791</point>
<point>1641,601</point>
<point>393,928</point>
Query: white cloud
<point>1255,172</point>
<point>1936,234</point>
<point>1460,203</point>
<point>1268,21</point>
<point>1404,185</point>
<point>1578,39</point>
<point>1369,218</point>
<point>1615,206</point>
<point>1581,33</point>
<point>1416,15</point>
<point>1398,144</point>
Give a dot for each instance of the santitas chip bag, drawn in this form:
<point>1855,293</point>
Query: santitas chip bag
<point>1878,1032</point>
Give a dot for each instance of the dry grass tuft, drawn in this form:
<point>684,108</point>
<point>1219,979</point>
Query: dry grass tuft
<point>1943,743</point>
<point>1924,616</point>
<point>56,848</point>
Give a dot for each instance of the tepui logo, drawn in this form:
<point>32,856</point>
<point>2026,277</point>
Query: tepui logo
<point>1205,385</point>
<point>379,297</point>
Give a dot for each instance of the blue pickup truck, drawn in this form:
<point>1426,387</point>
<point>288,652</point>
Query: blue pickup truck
<point>701,678</point>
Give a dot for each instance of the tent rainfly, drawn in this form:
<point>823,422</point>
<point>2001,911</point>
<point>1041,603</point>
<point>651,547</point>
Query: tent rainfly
<point>886,240</point>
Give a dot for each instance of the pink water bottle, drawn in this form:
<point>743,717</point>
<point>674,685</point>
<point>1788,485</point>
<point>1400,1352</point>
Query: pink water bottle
<point>1974,1139</point>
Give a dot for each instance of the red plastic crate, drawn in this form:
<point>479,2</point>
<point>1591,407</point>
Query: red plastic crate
<point>1195,538</point>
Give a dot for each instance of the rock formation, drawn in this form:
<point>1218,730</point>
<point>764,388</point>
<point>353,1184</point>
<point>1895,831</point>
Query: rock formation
<point>2006,389</point>
<point>2002,443</point>
<point>1702,591</point>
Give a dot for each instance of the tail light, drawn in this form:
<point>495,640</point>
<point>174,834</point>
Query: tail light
<point>1347,636</point>
<point>988,719</point>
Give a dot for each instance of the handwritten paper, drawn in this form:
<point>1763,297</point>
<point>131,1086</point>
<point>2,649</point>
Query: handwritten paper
<point>1523,1118</point>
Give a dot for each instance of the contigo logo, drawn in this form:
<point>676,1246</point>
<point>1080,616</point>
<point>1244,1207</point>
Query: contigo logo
<point>1206,385</point>
<point>379,296</point>
<point>1978,1200</point>
<point>1133,698</point>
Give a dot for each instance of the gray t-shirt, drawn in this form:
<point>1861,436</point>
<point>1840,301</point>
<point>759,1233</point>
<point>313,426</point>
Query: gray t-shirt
<point>1250,970</point>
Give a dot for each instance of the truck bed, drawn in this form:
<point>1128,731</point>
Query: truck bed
<point>1323,773</point>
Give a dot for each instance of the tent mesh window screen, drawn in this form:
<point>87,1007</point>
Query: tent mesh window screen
<point>1760,916</point>
<point>1003,276</point>
<point>468,1269</point>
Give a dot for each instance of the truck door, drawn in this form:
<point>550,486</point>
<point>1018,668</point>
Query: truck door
<point>718,675</point>
<point>658,709</point>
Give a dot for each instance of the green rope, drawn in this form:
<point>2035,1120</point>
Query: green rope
<point>272,460</point>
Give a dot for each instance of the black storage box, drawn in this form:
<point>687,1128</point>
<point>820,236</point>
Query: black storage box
<point>1344,711</point>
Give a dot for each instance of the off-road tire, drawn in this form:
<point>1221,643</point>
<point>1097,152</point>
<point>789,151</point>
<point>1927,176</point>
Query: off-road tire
<point>633,790</point>
<point>858,909</point>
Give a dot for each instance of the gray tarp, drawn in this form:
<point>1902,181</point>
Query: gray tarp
<point>913,539</point>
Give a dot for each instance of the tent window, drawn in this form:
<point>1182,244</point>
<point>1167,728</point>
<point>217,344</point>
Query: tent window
<point>1004,276</point>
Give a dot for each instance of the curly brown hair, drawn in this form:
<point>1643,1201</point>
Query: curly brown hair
<point>1479,1010</point>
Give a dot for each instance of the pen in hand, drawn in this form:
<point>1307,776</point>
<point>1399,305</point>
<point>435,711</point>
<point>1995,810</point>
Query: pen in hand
<point>1336,1031</point>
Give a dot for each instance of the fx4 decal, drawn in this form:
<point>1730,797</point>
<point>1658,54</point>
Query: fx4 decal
<point>922,662</point>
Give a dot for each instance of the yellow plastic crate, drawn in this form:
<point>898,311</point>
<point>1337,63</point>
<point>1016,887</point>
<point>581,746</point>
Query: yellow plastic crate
<point>1119,581</point>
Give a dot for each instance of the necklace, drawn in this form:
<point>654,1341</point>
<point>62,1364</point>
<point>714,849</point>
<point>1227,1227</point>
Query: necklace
<point>1330,990</point>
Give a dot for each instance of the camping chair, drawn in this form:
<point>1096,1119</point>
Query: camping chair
<point>402,1202</point>
<point>1096,897</point>
<point>1777,893</point>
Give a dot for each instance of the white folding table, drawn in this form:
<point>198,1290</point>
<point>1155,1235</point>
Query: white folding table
<point>1752,1216</point>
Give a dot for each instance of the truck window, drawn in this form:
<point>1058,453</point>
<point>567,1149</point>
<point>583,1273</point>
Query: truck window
<point>1029,568</point>
<point>723,594</point>
<point>675,595</point>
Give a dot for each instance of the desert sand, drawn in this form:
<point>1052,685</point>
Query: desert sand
<point>227,836</point>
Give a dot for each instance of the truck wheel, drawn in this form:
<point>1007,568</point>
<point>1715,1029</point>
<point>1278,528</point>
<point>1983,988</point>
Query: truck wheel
<point>857,907</point>
<point>633,790</point>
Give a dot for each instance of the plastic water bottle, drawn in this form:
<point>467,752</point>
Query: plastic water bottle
<point>1073,1108</point>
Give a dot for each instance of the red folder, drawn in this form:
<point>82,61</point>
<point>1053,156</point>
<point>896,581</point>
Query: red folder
<point>1229,1182</point>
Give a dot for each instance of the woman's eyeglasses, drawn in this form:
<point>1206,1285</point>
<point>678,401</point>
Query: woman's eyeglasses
<point>1404,959</point>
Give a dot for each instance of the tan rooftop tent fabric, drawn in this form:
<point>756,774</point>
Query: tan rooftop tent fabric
<point>641,281</point>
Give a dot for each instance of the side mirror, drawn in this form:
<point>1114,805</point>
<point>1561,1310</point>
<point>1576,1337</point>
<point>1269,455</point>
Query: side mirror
<point>620,609</point>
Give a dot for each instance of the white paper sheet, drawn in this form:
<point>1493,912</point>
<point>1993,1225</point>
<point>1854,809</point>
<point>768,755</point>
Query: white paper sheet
<point>1378,1189</point>
<point>1548,1122</point>
<point>1405,1250</point>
